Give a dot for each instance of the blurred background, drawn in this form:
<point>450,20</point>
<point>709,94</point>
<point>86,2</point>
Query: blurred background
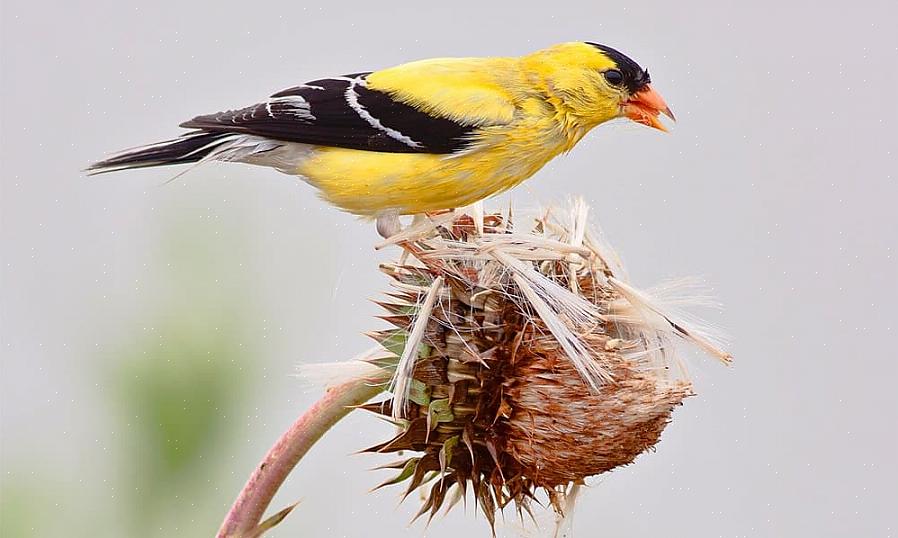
<point>150,330</point>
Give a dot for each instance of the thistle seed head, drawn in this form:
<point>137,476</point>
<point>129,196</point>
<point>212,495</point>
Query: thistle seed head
<point>523,361</point>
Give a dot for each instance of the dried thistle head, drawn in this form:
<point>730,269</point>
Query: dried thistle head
<point>523,361</point>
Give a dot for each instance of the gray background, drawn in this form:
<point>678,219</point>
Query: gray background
<point>778,185</point>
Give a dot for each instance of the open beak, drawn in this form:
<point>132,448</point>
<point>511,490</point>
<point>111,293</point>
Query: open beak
<point>645,106</point>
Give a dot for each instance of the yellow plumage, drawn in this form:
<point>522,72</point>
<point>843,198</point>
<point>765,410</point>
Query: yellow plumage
<point>524,121</point>
<point>426,135</point>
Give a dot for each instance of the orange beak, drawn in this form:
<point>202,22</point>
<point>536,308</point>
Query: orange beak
<point>645,106</point>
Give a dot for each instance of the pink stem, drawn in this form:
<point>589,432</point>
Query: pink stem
<point>247,511</point>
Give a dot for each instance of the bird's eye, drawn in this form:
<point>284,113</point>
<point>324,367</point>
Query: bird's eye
<point>614,77</point>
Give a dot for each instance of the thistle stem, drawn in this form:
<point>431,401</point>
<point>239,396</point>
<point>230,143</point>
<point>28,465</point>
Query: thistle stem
<point>246,512</point>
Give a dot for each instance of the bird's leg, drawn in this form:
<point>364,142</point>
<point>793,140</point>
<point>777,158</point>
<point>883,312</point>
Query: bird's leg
<point>388,224</point>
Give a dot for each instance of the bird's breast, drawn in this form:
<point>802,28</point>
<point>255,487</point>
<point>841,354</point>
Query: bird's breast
<point>370,183</point>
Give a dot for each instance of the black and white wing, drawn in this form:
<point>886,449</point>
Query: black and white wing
<point>341,112</point>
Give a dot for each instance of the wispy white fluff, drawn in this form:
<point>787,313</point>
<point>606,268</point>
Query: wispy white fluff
<point>577,352</point>
<point>579,218</point>
<point>564,312</point>
<point>578,310</point>
<point>670,319</point>
<point>475,210</point>
<point>558,307</point>
<point>402,379</point>
<point>577,233</point>
<point>330,374</point>
<point>684,293</point>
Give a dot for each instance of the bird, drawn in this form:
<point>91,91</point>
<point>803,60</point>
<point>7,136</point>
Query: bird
<point>423,136</point>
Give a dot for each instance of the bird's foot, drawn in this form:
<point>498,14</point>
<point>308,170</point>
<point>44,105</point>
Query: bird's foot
<point>388,224</point>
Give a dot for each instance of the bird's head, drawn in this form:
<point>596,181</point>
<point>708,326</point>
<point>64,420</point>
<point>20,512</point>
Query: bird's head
<point>594,83</point>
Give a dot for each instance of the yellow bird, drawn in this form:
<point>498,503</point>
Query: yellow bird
<point>422,136</point>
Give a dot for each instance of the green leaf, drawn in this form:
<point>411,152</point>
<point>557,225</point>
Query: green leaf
<point>267,525</point>
<point>439,411</point>
<point>446,452</point>
<point>419,393</point>
<point>394,341</point>
<point>407,470</point>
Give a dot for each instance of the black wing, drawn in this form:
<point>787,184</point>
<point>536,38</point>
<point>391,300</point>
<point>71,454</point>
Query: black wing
<point>341,112</point>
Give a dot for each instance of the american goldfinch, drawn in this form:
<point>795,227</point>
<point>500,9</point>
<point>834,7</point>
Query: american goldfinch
<point>422,136</point>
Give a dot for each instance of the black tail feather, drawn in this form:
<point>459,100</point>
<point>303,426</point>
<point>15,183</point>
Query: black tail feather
<point>189,148</point>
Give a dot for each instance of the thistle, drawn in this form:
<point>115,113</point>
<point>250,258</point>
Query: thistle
<point>524,362</point>
<point>518,361</point>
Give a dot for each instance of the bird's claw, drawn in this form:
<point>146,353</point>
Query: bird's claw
<point>388,224</point>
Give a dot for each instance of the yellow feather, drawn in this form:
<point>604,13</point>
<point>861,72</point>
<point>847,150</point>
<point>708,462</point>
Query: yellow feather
<point>528,110</point>
<point>494,122</point>
<point>474,91</point>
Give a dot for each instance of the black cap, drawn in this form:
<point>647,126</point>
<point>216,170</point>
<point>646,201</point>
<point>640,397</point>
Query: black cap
<point>635,77</point>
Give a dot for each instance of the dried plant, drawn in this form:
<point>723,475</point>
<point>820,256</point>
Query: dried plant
<point>519,360</point>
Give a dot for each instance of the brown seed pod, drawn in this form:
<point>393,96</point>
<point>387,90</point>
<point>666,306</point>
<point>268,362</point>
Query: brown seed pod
<point>523,361</point>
